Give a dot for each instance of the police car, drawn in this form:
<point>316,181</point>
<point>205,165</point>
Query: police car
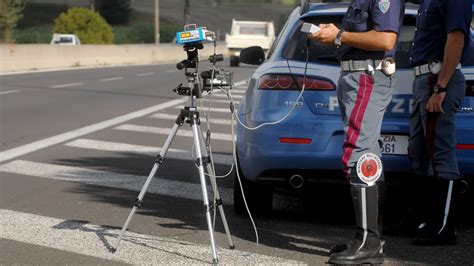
<point>306,147</point>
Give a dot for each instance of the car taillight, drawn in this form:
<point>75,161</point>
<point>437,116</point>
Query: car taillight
<point>470,88</point>
<point>465,146</point>
<point>287,82</point>
<point>296,140</point>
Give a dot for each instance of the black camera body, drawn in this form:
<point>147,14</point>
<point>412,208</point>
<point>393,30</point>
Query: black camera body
<point>221,78</point>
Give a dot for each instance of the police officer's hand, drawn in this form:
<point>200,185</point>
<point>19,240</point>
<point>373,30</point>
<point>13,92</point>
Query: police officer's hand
<point>435,103</point>
<point>326,35</point>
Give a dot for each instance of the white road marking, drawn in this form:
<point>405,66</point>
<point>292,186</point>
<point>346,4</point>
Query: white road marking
<point>207,100</point>
<point>225,96</point>
<point>145,74</point>
<point>214,109</point>
<point>66,85</point>
<point>41,144</point>
<point>241,83</point>
<point>238,91</point>
<point>158,186</point>
<point>8,92</point>
<point>96,241</point>
<point>140,149</point>
<point>203,119</point>
<point>166,131</point>
<point>112,79</point>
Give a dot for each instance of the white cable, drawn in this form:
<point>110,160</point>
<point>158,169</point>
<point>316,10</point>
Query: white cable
<point>285,116</point>
<point>234,144</point>
<point>234,155</point>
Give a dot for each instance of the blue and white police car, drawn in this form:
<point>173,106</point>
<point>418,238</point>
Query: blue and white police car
<point>306,147</point>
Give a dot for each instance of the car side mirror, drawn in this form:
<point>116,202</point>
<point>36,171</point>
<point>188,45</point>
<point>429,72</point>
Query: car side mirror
<point>253,55</point>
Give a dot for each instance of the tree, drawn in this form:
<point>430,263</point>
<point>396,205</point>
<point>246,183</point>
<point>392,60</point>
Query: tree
<point>92,5</point>
<point>115,12</point>
<point>10,13</point>
<point>89,26</point>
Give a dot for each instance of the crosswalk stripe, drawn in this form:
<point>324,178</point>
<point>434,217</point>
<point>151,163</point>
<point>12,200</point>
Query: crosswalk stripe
<point>236,91</point>
<point>214,109</point>
<point>207,100</point>
<point>140,149</point>
<point>166,131</point>
<point>203,120</point>
<point>220,95</point>
<point>242,83</point>
<point>96,241</point>
<point>160,186</point>
<point>47,142</point>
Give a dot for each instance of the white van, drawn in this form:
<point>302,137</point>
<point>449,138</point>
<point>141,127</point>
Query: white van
<point>65,39</point>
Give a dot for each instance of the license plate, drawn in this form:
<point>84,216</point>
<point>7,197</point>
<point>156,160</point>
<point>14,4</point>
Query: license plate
<point>394,144</point>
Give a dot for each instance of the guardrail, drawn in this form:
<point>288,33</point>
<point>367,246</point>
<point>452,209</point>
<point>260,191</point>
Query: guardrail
<point>25,57</point>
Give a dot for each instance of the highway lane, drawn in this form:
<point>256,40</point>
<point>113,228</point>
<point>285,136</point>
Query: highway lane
<point>66,201</point>
<point>81,97</point>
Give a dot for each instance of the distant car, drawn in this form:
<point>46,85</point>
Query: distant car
<point>248,33</point>
<point>65,39</point>
<point>306,148</point>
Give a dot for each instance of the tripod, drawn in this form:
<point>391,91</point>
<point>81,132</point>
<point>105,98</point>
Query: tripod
<point>189,114</point>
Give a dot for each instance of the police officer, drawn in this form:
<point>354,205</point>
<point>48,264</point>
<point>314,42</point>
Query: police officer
<point>366,45</point>
<point>441,41</point>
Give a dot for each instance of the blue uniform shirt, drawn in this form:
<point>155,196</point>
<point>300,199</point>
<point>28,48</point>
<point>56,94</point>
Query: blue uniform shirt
<point>367,15</point>
<point>437,18</point>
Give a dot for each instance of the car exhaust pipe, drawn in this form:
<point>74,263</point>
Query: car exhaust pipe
<point>296,181</point>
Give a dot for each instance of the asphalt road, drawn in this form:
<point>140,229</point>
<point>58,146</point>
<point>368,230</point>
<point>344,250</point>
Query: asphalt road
<point>76,147</point>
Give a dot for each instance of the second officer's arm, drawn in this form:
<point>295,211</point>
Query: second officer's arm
<point>452,56</point>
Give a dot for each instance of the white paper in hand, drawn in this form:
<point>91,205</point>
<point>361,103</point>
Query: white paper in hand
<point>309,28</point>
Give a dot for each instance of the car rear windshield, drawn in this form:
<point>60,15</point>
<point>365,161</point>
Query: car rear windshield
<point>295,48</point>
<point>251,29</point>
<point>65,40</point>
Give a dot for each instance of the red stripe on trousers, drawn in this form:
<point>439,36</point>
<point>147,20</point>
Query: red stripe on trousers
<point>366,85</point>
<point>430,130</point>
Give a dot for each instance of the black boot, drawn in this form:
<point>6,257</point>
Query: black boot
<point>440,227</point>
<point>367,246</point>
<point>381,190</point>
<point>414,201</point>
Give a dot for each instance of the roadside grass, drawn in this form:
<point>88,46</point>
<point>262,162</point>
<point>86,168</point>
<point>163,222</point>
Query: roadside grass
<point>143,32</point>
<point>36,26</point>
<point>35,34</point>
<point>137,33</point>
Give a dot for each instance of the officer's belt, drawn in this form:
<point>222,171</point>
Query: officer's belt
<point>425,69</point>
<point>361,65</point>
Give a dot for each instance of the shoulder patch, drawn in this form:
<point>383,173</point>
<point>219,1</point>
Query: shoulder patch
<point>384,6</point>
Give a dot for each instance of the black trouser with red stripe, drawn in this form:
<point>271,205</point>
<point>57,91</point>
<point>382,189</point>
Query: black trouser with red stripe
<point>433,135</point>
<point>432,151</point>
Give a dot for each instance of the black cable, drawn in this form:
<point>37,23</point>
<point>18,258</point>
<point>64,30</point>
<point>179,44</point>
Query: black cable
<point>308,43</point>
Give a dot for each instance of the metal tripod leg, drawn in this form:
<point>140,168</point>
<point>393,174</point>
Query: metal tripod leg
<point>159,161</point>
<point>210,171</point>
<point>200,162</point>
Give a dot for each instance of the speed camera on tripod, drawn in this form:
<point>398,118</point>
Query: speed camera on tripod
<point>192,39</point>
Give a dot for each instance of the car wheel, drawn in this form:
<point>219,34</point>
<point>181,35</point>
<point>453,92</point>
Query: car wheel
<point>259,197</point>
<point>234,61</point>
